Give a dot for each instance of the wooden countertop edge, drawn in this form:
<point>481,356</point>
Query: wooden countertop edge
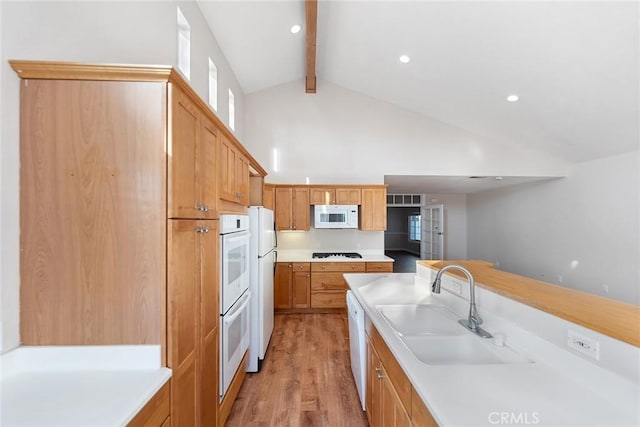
<point>616,319</point>
<point>58,70</point>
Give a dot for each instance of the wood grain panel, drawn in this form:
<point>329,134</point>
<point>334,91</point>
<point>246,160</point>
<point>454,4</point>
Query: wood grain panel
<point>92,212</point>
<point>282,285</point>
<point>613,318</point>
<point>328,281</point>
<point>284,208</point>
<point>338,266</point>
<point>300,209</point>
<point>348,196</point>
<point>395,373</point>
<point>322,196</point>
<point>379,267</point>
<point>328,299</point>
<point>184,389</point>
<point>185,131</point>
<point>206,167</point>
<point>210,371</point>
<point>420,415</point>
<point>301,289</point>
<point>269,196</point>
<point>209,278</point>
<point>373,211</point>
<point>155,411</point>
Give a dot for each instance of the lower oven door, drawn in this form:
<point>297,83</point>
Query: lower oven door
<point>234,340</point>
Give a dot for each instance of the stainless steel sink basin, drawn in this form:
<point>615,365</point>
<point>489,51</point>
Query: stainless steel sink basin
<point>415,319</point>
<point>466,349</point>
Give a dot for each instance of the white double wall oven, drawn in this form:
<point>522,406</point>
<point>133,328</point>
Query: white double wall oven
<point>235,295</point>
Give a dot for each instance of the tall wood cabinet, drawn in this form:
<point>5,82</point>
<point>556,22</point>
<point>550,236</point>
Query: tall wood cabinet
<point>119,208</point>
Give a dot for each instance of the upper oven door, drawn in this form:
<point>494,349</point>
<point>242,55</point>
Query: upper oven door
<point>234,268</point>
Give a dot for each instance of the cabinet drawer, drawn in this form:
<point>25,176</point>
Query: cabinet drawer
<point>338,266</point>
<point>328,299</point>
<point>328,281</point>
<point>301,266</point>
<point>386,267</point>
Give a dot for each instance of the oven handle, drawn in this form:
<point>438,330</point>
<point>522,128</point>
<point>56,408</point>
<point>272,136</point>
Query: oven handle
<point>238,311</point>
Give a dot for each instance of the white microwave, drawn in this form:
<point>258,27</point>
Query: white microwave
<point>335,216</point>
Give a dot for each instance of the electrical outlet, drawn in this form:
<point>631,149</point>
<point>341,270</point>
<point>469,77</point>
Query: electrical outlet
<point>584,345</point>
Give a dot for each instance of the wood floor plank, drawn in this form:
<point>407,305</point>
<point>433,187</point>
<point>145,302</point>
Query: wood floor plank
<point>306,377</point>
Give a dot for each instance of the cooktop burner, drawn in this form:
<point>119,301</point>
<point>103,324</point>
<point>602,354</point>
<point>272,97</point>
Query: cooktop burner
<point>336,255</point>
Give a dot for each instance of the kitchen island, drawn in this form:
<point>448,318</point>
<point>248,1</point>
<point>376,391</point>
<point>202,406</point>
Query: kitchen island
<point>547,384</point>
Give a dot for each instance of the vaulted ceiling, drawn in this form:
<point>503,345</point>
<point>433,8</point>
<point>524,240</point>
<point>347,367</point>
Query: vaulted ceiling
<point>574,65</point>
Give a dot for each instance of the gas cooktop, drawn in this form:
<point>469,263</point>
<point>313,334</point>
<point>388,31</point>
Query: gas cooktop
<point>336,255</point>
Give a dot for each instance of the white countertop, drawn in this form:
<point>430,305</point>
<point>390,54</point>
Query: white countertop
<point>291,255</point>
<point>538,392</point>
<point>78,386</point>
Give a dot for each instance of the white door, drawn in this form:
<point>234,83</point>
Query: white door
<point>432,244</point>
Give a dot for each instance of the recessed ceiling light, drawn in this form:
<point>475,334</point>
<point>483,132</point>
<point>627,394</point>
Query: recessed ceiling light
<point>404,59</point>
<point>512,98</point>
<point>296,29</point>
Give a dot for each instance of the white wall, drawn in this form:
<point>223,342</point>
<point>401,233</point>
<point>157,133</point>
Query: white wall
<point>105,32</point>
<point>340,136</point>
<point>455,223</point>
<point>583,229</point>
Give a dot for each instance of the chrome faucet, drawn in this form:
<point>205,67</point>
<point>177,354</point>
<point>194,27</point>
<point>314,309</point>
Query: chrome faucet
<point>474,321</point>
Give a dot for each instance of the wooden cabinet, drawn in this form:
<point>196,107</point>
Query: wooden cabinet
<point>379,267</point>
<point>292,208</point>
<point>328,287</point>
<point>193,319</point>
<point>334,195</point>
<point>291,285</point>
<point>156,411</point>
<point>391,400</point>
<point>373,211</point>
<point>233,177</point>
<point>269,196</point>
<point>192,164</point>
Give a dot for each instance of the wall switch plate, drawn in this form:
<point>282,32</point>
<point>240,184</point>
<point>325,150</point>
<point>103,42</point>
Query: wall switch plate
<point>584,345</point>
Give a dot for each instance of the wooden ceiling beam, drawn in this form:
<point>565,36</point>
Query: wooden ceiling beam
<point>311,12</point>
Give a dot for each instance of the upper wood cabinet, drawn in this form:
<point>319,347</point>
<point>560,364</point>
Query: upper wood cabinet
<point>292,208</point>
<point>233,177</point>
<point>269,196</point>
<point>373,211</point>
<point>192,160</point>
<point>335,195</point>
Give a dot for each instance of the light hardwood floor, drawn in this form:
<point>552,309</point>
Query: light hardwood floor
<point>305,379</point>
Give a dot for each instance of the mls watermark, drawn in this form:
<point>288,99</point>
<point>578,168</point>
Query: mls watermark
<point>513,418</point>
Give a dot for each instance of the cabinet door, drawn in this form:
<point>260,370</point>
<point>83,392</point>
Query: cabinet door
<point>209,380</point>
<point>393,413</point>
<point>183,317</point>
<point>284,208</point>
<point>373,388</point>
<point>301,292</point>
<point>282,285</point>
<point>348,196</point>
<point>185,131</point>
<point>300,208</point>
<point>322,196</point>
<point>227,170</point>
<point>242,180</point>
<point>269,197</point>
<point>209,277</point>
<point>206,153</point>
<point>373,212</point>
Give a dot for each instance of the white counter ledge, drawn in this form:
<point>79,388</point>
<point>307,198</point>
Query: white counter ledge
<point>78,385</point>
<point>550,391</point>
<point>291,255</point>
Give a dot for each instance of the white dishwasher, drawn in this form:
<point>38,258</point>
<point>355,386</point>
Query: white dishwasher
<point>358,350</point>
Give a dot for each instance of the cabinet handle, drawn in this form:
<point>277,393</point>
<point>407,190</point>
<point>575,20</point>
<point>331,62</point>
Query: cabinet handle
<point>289,265</point>
<point>379,373</point>
<point>353,266</point>
<point>323,282</point>
<point>202,230</point>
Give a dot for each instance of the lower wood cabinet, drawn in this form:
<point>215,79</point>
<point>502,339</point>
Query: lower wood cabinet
<point>292,285</point>
<point>380,267</point>
<point>192,339</point>
<point>391,400</point>
<point>156,412</point>
<point>328,287</point>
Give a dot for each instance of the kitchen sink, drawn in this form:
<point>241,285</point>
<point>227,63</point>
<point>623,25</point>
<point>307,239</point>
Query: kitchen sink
<point>467,349</point>
<point>432,333</point>
<point>415,319</point>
